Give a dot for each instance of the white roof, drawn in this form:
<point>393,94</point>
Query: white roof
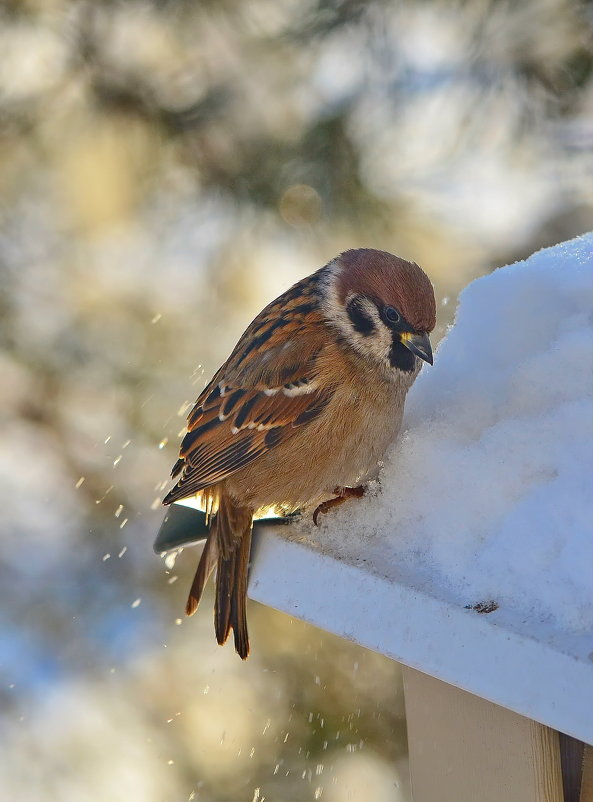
<point>487,497</point>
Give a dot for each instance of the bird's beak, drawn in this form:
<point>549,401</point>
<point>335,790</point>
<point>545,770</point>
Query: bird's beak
<point>418,344</point>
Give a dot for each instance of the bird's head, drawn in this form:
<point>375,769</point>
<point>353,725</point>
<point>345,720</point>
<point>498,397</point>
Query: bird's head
<point>383,307</point>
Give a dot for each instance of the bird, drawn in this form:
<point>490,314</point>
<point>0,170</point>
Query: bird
<point>302,412</point>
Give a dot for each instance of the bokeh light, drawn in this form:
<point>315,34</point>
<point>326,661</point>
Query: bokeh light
<point>165,170</point>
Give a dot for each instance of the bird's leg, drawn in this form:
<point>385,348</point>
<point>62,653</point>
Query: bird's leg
<point>342,493</point>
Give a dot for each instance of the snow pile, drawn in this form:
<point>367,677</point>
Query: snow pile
<point>489,494</point>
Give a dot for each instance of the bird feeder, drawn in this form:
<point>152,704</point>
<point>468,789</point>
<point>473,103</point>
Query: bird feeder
<point>497,710</point>
<point>498,695</point>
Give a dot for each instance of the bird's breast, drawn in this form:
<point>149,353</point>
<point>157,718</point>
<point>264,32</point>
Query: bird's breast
<point>340,448</point>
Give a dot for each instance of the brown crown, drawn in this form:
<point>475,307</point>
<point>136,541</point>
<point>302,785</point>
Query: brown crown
<point>391,281</point>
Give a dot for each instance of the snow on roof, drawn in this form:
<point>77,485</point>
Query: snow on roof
<point>489,493</point>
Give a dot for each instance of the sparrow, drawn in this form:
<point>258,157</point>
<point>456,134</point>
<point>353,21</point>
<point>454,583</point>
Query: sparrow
<point>303,409</point>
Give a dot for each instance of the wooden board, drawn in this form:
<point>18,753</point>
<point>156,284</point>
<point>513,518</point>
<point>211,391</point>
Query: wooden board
<point>465,749</point>
<point>524,665</point>
<point>587,782</point>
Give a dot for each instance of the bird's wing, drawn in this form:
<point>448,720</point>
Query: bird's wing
<point>269,387</point>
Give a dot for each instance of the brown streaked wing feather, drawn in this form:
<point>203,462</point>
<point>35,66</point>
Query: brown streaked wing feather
<point>235,420</point>
<point>261,357</point>
<point>221,451</point>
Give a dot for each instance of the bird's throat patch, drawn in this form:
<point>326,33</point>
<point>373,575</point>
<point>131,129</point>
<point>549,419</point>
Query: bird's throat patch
<point>401,357</point>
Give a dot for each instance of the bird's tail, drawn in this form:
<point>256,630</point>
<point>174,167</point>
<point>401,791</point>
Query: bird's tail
<point>227,548</point>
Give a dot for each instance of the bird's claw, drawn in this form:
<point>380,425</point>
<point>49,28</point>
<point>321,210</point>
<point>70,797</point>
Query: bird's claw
<point>342,493</point>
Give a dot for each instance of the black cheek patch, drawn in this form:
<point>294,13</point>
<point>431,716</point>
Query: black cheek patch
<point>359,318</point>
<point>401,357</point>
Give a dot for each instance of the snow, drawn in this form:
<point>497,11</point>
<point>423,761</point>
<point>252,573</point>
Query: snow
<point>488,495</point>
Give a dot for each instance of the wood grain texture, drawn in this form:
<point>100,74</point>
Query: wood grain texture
<point>571,761</point>
<point>587,783</point>
<point>465,749</point>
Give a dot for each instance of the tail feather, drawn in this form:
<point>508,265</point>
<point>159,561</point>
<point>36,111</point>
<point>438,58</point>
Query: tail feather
<point>238,601</point>
<point>206,565</point>
<point>225,587</point>
<point>229,526</point>
<point>228,547</point>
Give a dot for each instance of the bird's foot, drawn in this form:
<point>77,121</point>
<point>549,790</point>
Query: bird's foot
<point>342,493</point>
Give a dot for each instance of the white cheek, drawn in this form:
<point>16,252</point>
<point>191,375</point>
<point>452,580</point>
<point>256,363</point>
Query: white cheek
<point>377,345</point>
<point>382,342</point>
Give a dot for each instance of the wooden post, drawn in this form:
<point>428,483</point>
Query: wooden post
<point>464,749</point>
<point>587,783</point>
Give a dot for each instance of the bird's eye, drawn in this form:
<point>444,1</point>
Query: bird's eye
<point>392,314</point>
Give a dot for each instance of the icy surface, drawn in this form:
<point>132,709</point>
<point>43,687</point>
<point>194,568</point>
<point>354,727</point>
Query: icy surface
<point>489,493</point>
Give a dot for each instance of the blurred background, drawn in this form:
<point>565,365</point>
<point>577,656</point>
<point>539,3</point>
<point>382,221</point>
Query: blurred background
<point>166,168</point>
